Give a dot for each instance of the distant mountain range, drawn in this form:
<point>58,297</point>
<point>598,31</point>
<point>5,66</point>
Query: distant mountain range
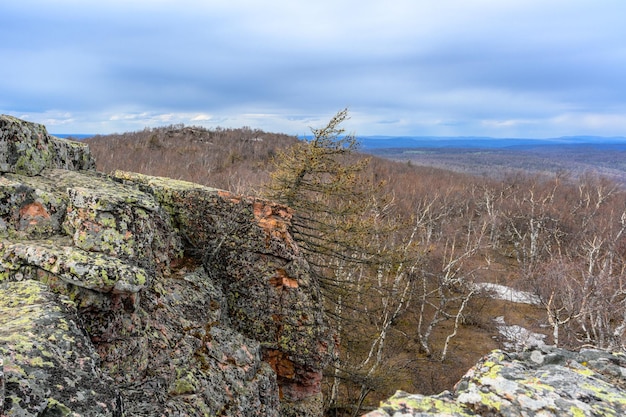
<point>460,142</point>
<point>79,136</point>
<point>465,142</point>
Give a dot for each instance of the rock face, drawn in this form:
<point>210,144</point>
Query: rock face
<point>543,381</point>
<point>26,148</point>
<point>131,295</point>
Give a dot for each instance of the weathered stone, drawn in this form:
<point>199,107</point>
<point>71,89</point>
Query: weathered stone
<point>26,148</point>
<point>50,366</point>
<point>175,356</point>
<point>197,302</point>
<point>99,214</point>
<point>246,246</point>
<point>29,212</point>
<point>67,269</point>
<point>564,383</point>
<point>121,222</point>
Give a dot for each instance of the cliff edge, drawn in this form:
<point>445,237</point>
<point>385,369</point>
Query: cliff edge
<point>125,294</point>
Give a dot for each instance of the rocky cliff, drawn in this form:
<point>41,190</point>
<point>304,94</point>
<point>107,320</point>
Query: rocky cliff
<point>131,295</point>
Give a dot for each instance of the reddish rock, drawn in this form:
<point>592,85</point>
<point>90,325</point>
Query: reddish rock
<point>197,301</point>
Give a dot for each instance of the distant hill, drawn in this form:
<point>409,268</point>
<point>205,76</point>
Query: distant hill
<point>384,142</point>
<point>572,155</point>
<point>232,159</point>
<point>218,154</point>
<point>380,142</point>
<point>78,136</point>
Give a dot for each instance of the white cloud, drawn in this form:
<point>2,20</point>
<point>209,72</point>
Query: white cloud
<point>201,118</point>
<point>592,123</point>
<point>451,67</point>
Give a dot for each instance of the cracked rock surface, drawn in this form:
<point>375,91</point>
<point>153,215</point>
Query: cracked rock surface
<point>131,295</point>
<point>543,381</point>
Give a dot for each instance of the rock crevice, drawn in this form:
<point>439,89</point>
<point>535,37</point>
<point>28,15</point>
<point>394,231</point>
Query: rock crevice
<point>139,295</point>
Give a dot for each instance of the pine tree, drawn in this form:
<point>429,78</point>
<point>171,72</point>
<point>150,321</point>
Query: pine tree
<point>340,222</point>
<point>322,180</point>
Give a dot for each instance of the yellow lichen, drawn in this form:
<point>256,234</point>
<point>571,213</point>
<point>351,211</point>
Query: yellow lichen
<point>613,397</point>
<point>39,362</point>
<point>585,371</point>
<point>418,403</point>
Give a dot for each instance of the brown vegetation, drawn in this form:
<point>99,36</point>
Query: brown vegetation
<point>576,160</point>
<point>232,159</point>
<point>416,322</point>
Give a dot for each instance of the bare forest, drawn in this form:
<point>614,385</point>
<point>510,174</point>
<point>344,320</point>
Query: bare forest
<point>408,255</point>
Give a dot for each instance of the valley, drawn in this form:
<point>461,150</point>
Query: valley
<point>549,221</point>
<point>607,160</point>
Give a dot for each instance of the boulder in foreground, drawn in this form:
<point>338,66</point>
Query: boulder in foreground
<point>543,381</point>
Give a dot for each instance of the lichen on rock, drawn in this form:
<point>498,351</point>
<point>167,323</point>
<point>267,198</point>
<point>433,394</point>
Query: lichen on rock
<point>70,269</point>
<point>543,380</point>
<point>50,366</point>
<point>246,246</point>
<point>27,148</point>
<point>191,300</point>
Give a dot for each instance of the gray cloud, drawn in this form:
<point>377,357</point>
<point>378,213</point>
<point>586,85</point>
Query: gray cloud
<point>487,67</point>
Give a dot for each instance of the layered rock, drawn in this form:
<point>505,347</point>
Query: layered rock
<point>245,244</point>
<point>542,381</point>
<point>189,300</point>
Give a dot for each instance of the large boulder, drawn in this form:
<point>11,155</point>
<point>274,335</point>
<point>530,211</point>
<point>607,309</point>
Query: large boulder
<point>27,148</point>
<point>190,300</point>
<point>542,381</point>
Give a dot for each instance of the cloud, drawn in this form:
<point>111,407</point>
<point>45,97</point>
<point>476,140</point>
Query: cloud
<point>520,67</point>
<point>201,118</point>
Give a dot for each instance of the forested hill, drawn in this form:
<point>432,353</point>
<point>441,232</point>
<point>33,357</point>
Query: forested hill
<point>200,154</point>
<point>232,159</point>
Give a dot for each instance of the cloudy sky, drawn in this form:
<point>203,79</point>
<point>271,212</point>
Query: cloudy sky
<point>501,68</point>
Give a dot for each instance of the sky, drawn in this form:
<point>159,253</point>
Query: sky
<point>498,68</point>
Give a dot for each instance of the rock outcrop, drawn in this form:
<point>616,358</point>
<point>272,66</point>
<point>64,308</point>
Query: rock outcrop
<point>131,295</point>
<point>542,381</point>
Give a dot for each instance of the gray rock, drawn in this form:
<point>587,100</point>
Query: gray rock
<point>27,149</point>
<point>189,301</point>
<point>50,365</point>
<point>246,245</point>
<point>562,383</point>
